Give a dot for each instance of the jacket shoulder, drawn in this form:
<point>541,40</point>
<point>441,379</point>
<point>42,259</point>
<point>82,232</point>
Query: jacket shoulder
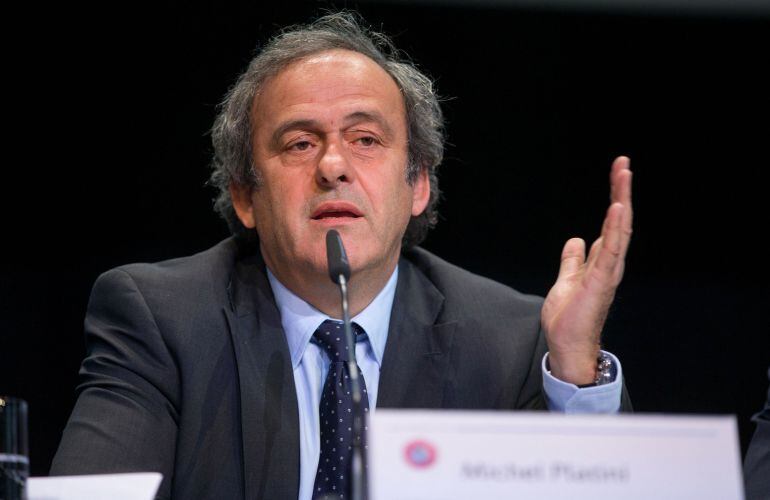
<point>182,290</point>
<point>208,270</point>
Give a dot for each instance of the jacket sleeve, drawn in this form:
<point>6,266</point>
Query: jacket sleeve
<point>126,414</point>
<point>531,396</point>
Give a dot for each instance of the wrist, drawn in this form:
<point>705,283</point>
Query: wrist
<point>581,370</point>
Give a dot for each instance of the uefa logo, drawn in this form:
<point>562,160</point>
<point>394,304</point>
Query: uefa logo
<point>420,454</point>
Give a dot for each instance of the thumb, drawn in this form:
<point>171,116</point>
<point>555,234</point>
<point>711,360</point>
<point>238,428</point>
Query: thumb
<point>572,256</point>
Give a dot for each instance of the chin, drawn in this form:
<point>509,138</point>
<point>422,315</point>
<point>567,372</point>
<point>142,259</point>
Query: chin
<point>363,261</point>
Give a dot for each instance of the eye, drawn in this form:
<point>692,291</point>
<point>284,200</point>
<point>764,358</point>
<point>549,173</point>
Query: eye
<point>301,145</point>
<point>366,141</point>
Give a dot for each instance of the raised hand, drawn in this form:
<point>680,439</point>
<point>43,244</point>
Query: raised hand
<point>576,307</point>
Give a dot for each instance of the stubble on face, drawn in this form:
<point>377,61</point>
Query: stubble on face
<point>331,128</point>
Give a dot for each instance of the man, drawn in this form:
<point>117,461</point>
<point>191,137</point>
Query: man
<point>213,369</point>
<point>757,464</point>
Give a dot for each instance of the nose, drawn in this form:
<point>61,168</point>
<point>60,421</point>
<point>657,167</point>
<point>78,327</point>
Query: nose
<point>334,168</point>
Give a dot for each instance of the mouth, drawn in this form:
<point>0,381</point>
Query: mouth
<point>336,211</point>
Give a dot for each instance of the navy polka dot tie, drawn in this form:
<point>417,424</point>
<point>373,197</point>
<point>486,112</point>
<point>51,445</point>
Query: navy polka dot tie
<point>336,413</point>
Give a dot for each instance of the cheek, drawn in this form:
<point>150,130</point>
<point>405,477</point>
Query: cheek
<point>289,187</point>
<point>394,208</point>
<point>281,207</point>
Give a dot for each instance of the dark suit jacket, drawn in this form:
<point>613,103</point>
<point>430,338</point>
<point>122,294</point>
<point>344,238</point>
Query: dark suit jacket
<point>188,371</point>
<point>757,464</point>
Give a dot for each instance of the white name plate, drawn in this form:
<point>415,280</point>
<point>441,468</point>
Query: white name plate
<point>129,486</point>
<point>435,455</point>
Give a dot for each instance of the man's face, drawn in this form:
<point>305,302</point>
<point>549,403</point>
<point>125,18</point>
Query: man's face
<point>330,145</point>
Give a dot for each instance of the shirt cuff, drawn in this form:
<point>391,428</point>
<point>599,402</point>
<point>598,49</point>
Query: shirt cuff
<point>564,397</point>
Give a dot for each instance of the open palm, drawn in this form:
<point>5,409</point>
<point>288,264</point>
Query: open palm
<point>576,307</point>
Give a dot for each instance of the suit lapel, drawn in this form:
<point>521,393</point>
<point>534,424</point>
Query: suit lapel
<point>269,420</point>
<point>416,357</point>
<point>413,374</point>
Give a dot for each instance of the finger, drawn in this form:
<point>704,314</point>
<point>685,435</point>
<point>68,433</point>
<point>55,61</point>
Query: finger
<point>620,192</point>
<point>597,245</point>
<point>572,257</point>
<point>608,254</point>
<point>620,185</point>
<point>594,252</point>
<point>627,220</point>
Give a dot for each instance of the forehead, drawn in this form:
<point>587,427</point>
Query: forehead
<point>327,83</point>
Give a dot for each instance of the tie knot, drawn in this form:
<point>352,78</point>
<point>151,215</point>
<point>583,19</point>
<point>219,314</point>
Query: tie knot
<point>330,336</point>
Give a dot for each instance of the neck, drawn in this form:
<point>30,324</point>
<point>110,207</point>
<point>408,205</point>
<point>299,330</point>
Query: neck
<point>317,289</point>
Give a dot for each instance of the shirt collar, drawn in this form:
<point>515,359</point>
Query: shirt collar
<point>300,319</point>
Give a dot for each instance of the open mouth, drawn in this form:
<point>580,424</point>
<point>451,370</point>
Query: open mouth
<point>336,211</point>
<point>335,215</point>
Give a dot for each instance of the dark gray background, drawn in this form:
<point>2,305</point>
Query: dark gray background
<point>106,160</point>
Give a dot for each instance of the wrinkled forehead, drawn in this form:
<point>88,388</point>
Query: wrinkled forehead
<point>326,77</point>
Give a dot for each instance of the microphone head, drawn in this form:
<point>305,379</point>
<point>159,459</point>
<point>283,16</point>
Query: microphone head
<point>336,257</point>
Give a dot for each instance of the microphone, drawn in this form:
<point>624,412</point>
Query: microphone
<point>336,257</point>
<point>339,272</point>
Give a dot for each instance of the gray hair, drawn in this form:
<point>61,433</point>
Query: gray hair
<point>232,130</point>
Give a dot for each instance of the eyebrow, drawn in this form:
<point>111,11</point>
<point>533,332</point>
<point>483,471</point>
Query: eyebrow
<point>351,119</point>
<point>370,116</point>
<point>275,138</point>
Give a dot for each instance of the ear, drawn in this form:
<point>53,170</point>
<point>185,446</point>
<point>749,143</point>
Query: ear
<point>420,192</point>
<point>241,196</point>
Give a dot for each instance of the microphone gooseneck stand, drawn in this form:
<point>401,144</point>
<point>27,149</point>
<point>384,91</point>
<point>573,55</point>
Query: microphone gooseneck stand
<point>339,272</point>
